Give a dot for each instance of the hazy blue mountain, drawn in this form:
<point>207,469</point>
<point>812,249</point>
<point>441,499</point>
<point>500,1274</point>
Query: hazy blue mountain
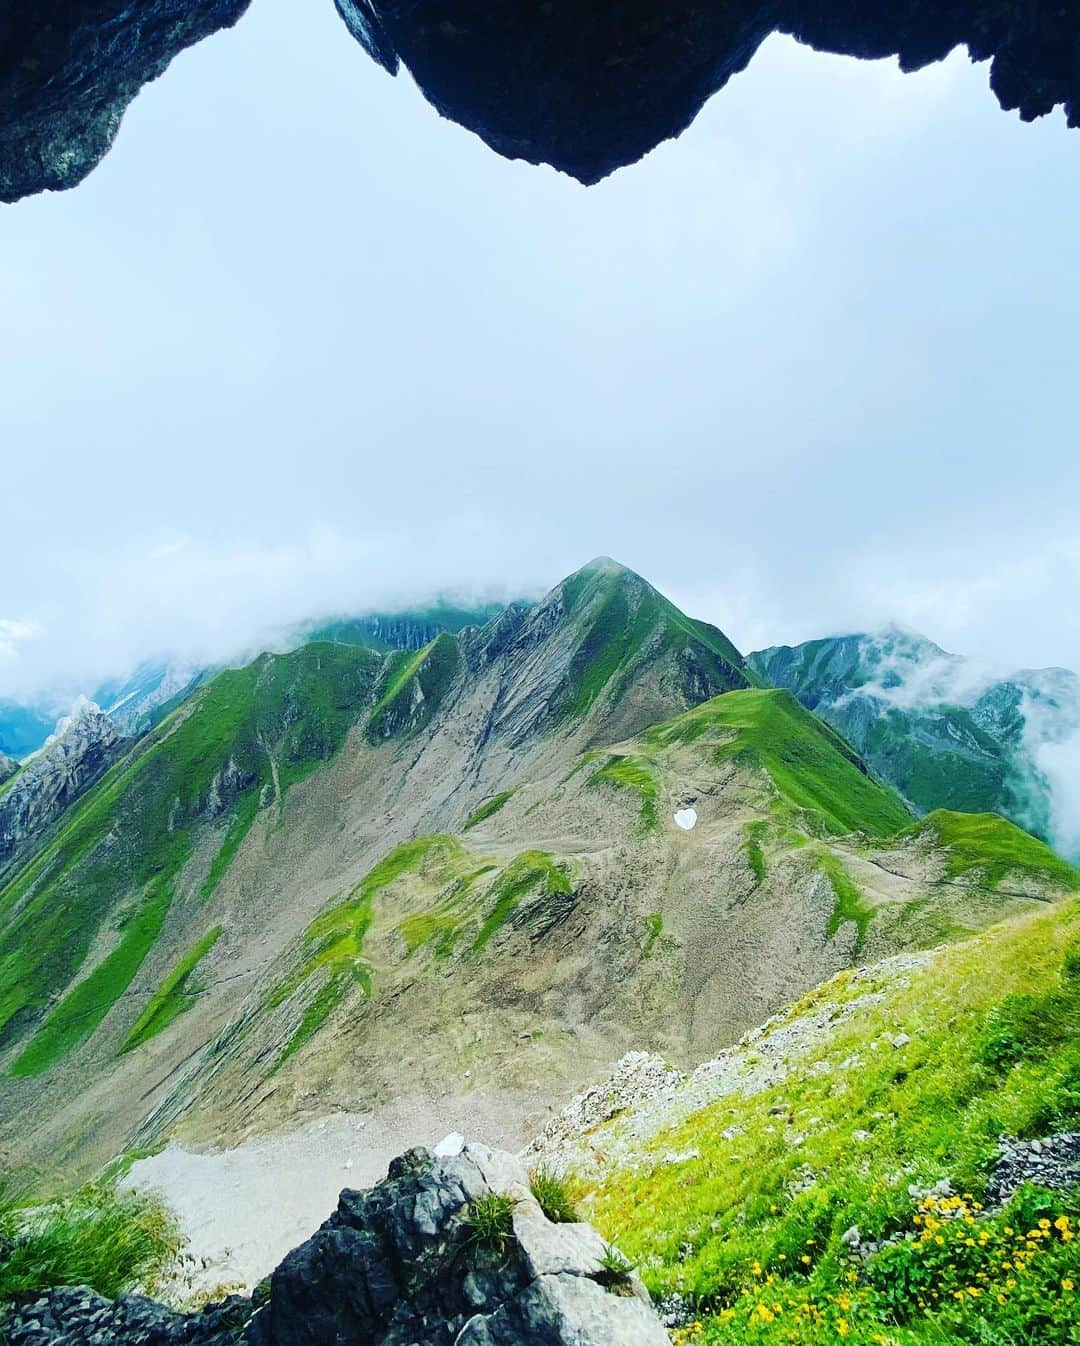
<point>941,730</point>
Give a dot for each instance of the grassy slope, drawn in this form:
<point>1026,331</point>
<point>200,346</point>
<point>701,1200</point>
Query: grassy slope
<point>110,870</point>
<point>465,897</point>
<point>811,766</point>
<point>968,779</point>
<point>994,1028</point>
<point>413,688</point>
<point>992,848</point>
<point>622,615</point>
<point>174,995</point>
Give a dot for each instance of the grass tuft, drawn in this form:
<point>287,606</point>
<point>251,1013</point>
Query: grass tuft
<point>554,1194</point>
<point>488,1227</point>
<point>99,1237</point>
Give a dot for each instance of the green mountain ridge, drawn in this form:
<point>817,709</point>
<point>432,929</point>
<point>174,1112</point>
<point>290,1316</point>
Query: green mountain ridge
<point>337,855</point>
<point>944,734</point>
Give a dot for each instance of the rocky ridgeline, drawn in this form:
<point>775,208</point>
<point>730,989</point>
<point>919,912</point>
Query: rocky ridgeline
<point>84,745</point>
<point>8,767</point>
<point>403,1264</point>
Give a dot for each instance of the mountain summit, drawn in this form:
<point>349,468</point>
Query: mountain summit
<point>488,864</point>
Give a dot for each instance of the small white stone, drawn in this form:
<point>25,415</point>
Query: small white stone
<point>450,1146</point>
<point>685,818</point>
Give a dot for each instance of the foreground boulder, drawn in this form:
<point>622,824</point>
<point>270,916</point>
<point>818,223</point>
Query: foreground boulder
<point>450,1249</point>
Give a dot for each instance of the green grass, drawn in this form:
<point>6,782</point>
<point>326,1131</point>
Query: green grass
<point>488,808</point>
<point>115,862</point>
<point>488,1227</point>
<point>107,1240</point>
<point>334,940</point>
<point>528,872</point>
<point>633,773</point>
<point>850,904</point>
<point>554,1193</point>
<point>332,947</point>
<point>755,852</point>
<point>621,617</point>
<point>175,994</point>
<point>994,849</point>
<point>332,953</point>
<point>754,1218</point>
<point>414,688</point>
<point>84,1007</point>
<point>811,767</point>
<point>655,928</point>
<point>438,928</point>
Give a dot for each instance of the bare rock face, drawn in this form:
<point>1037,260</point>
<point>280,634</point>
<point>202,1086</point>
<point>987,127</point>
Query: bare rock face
<point>84,746</point>
<point>8,767</point>
<point>68,70</point>
<point>585,87</point>
<point>400,1264</point>
<point>589,88</point>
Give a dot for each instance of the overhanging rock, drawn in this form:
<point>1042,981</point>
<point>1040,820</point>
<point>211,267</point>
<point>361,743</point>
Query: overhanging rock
<point>585,85</point>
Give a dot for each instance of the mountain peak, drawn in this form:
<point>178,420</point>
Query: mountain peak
<point>599,563</point>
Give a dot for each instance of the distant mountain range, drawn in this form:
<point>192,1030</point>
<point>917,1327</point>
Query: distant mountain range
<point>500,858</point>
<point>135,700</point>
<point>935,725</point>
<point>941,730</point>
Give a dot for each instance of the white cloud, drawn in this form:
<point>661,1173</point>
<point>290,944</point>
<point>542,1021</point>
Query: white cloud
<point>12,635</point>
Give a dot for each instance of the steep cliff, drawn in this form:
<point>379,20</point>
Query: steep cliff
<point>81,749</point>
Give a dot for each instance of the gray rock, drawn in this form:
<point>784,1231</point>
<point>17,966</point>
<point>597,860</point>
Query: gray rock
<point>69,70</point>
<point>1053,1161</point>
<point>81,749</point>
<point>398,1265</point>
<point>8,767</point>
<point>585,88</point>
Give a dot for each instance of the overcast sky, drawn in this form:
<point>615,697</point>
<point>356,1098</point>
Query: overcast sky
<point>300,346</point>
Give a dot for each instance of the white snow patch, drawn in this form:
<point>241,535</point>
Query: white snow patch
<point>685,818</point>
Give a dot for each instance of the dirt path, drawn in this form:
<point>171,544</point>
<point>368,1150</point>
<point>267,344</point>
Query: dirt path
<point>243,1209</point>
